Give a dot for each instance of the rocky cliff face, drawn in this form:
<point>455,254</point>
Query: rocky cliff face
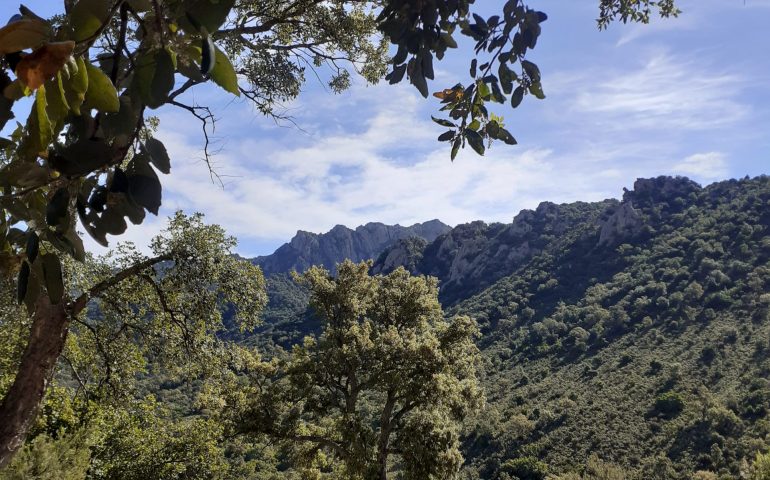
<point>473,256</point>
<point>340,243</point>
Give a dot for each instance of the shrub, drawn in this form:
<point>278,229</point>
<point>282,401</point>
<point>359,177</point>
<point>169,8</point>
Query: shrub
<point>525,468</point>
<point>669,404</point>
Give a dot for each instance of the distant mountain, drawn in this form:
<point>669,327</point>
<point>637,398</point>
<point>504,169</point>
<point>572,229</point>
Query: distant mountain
<point>635,330</point>
<point>340,243</point>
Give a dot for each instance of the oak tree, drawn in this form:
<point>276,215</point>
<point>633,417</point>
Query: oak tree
<point>383,389</point>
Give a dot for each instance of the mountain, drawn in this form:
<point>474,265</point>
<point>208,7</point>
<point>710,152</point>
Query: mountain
<point>632,330</point>
<point>340,243</point>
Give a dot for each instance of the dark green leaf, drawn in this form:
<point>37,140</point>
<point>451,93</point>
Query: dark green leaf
<point>52,274</point>
<point>209,14</point>
<point>81,157</point>
<point>396,75</point>
<point>475,141</point>
<point>33,246</point>
<point>505,136</point>
<point>56,211</point>
<point>446,136</point>
<point>456,147</point>
<point>442,122</point>
<point>517,96</point>
<point>21,282</point>
<point>112,222</point>
<point>448,40</point>
<point>532,71</point>
<point>158,155</point>
<point>144,188</point>
<point>536,89</point>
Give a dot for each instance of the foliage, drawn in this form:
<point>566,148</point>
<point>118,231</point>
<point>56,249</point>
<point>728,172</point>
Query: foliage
<point>524,468</point>
<point>669,404</point>
<point>384,386</point>
<point>49,458</point>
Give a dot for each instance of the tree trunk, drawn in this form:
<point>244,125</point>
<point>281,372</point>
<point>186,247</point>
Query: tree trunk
<point>22,401</point>
<point>385,429</point>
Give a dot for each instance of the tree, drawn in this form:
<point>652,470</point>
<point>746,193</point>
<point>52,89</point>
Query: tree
<point>125,309</point>
<point>383,388</point>
<point>86,154</point>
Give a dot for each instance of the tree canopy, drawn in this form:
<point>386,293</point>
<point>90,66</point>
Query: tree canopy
<point>382,389</point>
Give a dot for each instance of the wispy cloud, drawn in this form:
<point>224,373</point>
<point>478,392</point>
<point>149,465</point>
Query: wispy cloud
<point>704,167</point>
<point>665,92</point>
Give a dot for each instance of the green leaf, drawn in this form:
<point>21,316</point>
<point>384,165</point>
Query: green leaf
<point>101,93</point>
<point>52,274</point>
<point>536,89</point>
<point>56,210</point>
<point>75,88</point>
<point>506,76</point>
<point>33,246</point>
<point>56,104</point>
<point>483,90</point>
<point>124,121</point>
<point>208,14</point>
<point>158,154</point>
<point>45,131</point>
<point>475,140</point>
<point>456,147</point>
<point>532,71</point>
<point>143,185</point>
<point>446,136</point>
<point>33,286</point>
<point>154,77</point>
<point>87,17</point>
<point>442,122</point>
<point>224,74</point>
<point>21,282</point>
<point>111,222</point>
<point>448,40</point>
<point>517,96</point>
<point>506,136</point>
<point>81,157</point>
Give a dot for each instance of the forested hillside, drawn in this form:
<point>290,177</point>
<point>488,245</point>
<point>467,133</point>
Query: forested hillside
<point>635,331</point>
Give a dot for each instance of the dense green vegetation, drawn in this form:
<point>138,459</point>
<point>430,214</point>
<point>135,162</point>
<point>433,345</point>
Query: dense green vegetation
<point>612,350</point>
<point>649,352</point>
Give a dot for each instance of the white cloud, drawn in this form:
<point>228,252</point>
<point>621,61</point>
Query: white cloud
<point>666,92</point>
<point>704,167</point>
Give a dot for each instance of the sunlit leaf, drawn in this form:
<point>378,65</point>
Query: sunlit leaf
<point>88,16</point>
<point>52,273</point>
<point>224,74</point>
<point>101,93</point>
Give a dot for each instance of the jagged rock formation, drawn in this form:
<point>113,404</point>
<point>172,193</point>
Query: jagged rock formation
<point>472,256</point>
<point>340,243</point>
<point>623,223</point>
<point>406,253</point>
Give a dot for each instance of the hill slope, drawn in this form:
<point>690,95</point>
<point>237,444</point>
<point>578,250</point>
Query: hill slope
<point>635,330</point>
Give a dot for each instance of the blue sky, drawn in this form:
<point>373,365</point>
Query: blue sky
<point>687,96</point>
